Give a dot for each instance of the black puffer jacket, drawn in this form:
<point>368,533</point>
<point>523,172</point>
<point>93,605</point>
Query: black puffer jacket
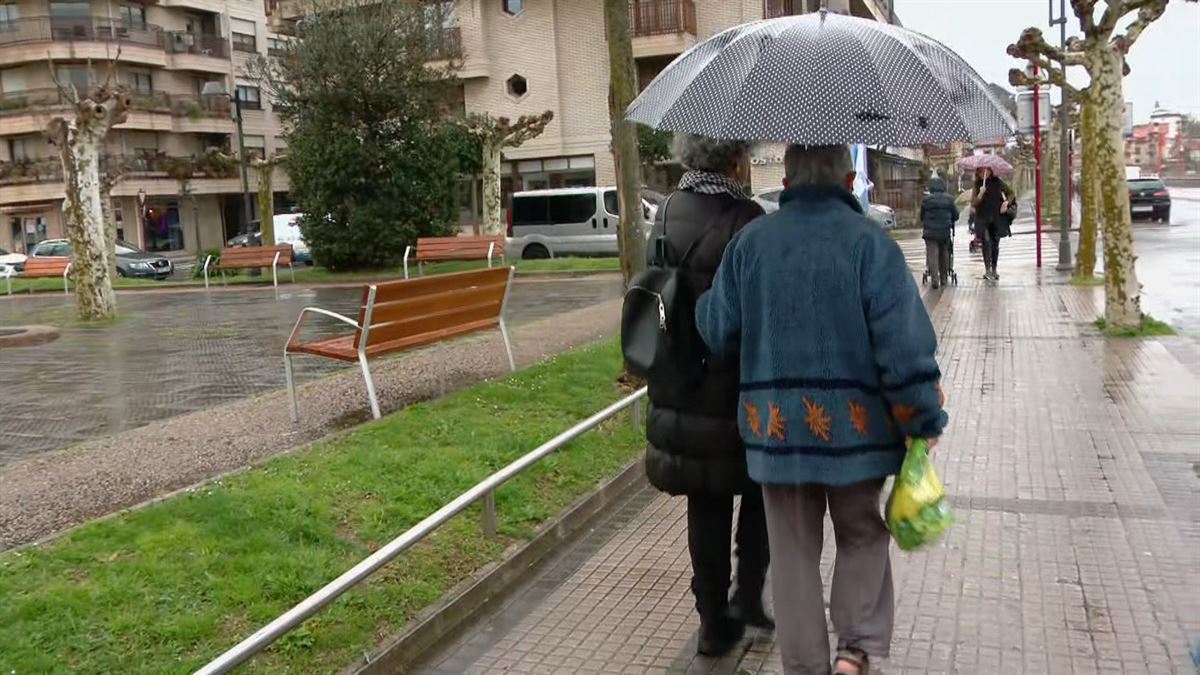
<point>939,213</point>
<point>695,446</point>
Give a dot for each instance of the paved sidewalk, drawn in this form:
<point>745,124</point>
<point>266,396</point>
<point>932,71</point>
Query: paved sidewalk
<point>1074,466</point>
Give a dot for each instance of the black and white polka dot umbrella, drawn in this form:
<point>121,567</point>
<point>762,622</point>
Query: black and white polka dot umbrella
<point>820,79</point>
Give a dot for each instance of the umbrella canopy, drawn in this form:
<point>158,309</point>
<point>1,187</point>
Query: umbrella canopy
<point>996,164</point>
<point>822,79</point>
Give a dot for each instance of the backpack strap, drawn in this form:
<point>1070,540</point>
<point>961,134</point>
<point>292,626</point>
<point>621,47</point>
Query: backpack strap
<point>712,228</point>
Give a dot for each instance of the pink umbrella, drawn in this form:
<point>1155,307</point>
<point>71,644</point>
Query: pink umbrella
<point>993,162</point>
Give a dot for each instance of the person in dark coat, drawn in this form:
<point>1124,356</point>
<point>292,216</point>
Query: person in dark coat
<point>939,213</point>
<point>991,200</point>
<point>695,448</point>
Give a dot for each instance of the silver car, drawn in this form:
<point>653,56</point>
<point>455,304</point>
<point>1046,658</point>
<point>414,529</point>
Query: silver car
<point>883,215</point>
<point>578,221</point>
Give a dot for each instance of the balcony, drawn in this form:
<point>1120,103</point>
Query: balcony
<point>445,44</point>
<point>773,9</point>
<point>662,27</point>
<point>157,173</point>
<point>203,52</point>
<point>26,112</point>
<point>25,40</point>
<point>201,114</point>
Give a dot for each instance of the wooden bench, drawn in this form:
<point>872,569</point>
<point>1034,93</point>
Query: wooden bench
<point>252,257</point>
<point>437,249</point>
<point>396,316</point>
<point>54,266</point>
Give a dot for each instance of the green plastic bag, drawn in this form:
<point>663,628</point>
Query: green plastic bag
<point>917,510</point>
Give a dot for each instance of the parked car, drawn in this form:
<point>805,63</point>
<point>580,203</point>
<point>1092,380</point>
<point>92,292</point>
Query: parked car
<point>1148,197</point>
<point>566,222</point>
<point>11,263</point>
<point>131,261</point>
<point>245,239</point>
<point>883,215</point>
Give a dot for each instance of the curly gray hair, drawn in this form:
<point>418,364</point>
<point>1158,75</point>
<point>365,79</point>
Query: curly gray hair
<point>701,153</point>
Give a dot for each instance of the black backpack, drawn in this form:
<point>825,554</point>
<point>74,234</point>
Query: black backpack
<point>659,339</point>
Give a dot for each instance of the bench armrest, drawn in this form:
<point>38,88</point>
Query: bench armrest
<point>292,341</point>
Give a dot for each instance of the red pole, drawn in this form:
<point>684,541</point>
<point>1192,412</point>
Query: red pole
<point>1070,183</point>
<point>1037,154</point>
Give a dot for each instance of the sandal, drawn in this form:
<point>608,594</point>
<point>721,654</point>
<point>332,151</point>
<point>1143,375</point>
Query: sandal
<point>854,657</point>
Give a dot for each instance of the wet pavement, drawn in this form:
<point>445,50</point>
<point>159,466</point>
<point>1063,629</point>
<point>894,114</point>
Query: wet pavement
<point>1073,464</point>
<point>177,352</point>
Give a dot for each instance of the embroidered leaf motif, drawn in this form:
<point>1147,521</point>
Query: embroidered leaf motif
<point>777,425</point>
<point>941,395</point>
<point>753,419</point>
<point>858,418</point>
<point>818,421</point>
<point>904,414</point>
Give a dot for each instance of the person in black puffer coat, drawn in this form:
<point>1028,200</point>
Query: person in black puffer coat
<point>695,448</point>
<point>939,213</point>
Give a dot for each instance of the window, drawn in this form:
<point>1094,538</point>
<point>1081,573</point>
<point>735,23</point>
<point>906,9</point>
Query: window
<point>438,14</point>
<point>277,46</point>
<point>611,203</point>
<point>78,76</point>
<point>249,97</point>
<point>21,149</point>
<point>133,16</point>
<point>256,146</point>
<point>141,82</point>
<point>529,211</point>
<point>9,15</point>
<point>517,86</point>
<point>513,7</point>
<point>244,43</point>
<point>564,209</point>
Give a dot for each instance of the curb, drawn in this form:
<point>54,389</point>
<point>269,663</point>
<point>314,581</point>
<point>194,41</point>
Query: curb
<point>400,653</point>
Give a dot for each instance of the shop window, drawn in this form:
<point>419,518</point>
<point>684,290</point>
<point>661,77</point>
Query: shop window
<point>517,86</point>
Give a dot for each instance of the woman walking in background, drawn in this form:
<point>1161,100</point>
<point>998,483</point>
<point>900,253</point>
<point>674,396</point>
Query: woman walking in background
<point>695,446</point>
<point>991,200</point>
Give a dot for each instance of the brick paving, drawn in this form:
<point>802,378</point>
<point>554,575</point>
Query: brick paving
<point>1073,465</point>
<point>179,352</point>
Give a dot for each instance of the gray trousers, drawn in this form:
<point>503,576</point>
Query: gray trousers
<point>937,259</point>
<point>861,604</point>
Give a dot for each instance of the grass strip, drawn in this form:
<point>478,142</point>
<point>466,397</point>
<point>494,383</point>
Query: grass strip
<point>317,274</point>
<point>1150,327</point>
<point>167,587</point>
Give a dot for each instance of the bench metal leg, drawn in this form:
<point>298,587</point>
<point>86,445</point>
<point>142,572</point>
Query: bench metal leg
<point>274,270</point>
<point>407,250</point>
<point>66,282</point>
<point>207,261</point>
<point>293,405</point>
<point>362,361</point>
<point>292,267</point>
<point>512,364</point>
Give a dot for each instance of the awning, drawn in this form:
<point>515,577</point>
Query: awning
<point>32,207</point>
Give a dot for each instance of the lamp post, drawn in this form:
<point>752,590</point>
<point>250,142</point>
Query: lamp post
<point>1064,164</point>
<point>141,202</point>
<point>218,89</point>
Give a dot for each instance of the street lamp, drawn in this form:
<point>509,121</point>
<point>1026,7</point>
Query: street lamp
<point>218,89</point>
<point>1064,166</point>
<point>141,202</point>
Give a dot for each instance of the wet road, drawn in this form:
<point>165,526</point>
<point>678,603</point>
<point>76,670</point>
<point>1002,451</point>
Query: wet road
<point>1169,263</point>
<point>176,352</point>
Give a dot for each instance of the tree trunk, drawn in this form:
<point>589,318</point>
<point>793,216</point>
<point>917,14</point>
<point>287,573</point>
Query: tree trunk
<point>1122,303</point>
<point>1089,196</point>
<point>86,225</point>
<point>492,210</point>
<point>266,201</point>
<point>622,88</point>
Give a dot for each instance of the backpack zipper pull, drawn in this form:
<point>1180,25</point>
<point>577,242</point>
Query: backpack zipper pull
<point>662,314</point>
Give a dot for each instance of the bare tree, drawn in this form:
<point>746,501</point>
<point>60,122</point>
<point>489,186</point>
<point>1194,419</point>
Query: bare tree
<point>1101,51</point>
<point>79,139</point>
<point>495,134</point>
<point>622,88</point>
<point>266,195</point>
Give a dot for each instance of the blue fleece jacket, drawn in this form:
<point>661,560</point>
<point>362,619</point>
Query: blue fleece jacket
<point>836,348</point>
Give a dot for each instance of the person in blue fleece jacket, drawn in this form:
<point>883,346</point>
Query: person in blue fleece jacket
<point>837,368</point>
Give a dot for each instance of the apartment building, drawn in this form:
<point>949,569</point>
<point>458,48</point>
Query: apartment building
<point>526,56</point>
<point>176,195</point>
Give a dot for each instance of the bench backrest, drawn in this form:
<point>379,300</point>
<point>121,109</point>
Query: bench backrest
<point>459,248</point>
<point>46,267</point>
<point>416,312</point>
<point>254,256</point>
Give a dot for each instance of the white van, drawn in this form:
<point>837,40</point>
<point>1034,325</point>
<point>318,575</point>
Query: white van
<point>565,222</point>
<point>287,231</point>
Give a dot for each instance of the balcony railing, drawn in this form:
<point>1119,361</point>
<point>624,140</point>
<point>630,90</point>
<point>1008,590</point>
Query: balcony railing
<point>777,8</point>
<point>144,165</point>
<point>662,17</point>
<point>445,43</point>
<point>200,44</point>
<point>94,29</point>
<point>180,105</point>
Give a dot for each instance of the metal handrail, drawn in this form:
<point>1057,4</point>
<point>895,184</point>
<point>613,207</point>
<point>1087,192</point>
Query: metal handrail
<point>484,490</point>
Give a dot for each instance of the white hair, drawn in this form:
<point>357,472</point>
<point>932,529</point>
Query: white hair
<point>817,164</point>
<point>701,153</point>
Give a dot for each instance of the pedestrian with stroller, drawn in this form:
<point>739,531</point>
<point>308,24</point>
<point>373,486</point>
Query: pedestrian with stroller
<point>695,448</point>
<point>991,199</point>
<point>939,214</point>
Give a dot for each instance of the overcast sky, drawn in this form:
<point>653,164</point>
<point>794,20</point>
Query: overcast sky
<point>1165,60</point>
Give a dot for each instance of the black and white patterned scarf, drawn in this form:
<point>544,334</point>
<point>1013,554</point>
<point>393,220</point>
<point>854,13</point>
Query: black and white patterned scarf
<point>712,183</point>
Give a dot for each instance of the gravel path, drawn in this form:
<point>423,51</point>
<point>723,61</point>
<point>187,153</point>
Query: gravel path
<point>61,489</point>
